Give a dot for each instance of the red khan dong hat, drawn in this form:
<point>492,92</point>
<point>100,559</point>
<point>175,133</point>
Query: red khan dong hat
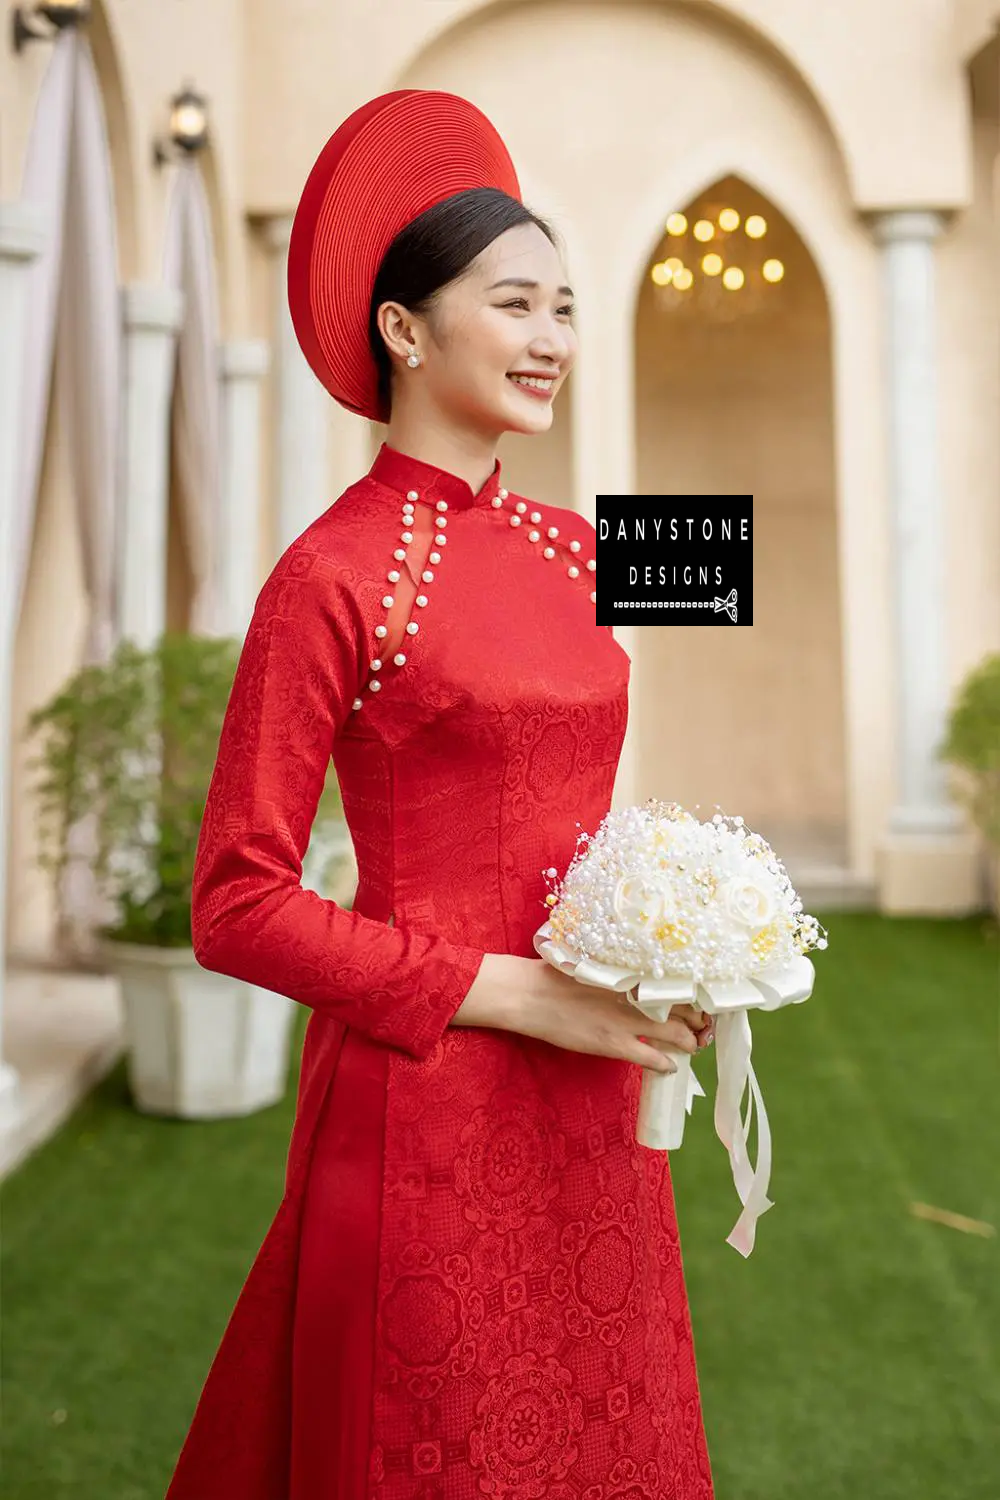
<point>388,163</point>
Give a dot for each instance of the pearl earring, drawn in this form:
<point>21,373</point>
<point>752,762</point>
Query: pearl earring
<point>413,361</point>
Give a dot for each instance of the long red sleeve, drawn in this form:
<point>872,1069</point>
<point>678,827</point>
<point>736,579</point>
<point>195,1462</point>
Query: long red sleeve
<point>299,671</point>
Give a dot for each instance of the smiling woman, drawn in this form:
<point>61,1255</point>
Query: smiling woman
<point>473,1282</point>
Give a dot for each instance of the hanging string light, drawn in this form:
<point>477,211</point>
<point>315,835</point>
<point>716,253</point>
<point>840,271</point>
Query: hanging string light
<point>723,272</point>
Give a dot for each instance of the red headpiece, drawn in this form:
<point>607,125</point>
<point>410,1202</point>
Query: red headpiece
<point>389,162</point>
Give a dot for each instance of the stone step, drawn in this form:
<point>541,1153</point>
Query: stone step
<point>62,1032</point>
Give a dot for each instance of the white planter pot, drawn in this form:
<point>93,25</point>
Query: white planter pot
<point>200,1045</point>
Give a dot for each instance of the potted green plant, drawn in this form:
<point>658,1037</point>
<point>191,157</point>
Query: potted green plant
<point>972,744</point>
<point>128,749</point>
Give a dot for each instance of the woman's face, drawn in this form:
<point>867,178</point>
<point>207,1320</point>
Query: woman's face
<point>504,323</point>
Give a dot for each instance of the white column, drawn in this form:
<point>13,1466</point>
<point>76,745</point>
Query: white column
<point>302,485</point>
<point>602,387</point>
<point>243,363</point>
<point>152,316</point>
<point>917,520</point>
<point>927,862</point>
<point>22,237</point>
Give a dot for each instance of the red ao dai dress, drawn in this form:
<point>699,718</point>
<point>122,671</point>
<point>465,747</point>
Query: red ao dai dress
<point>472,1288</point>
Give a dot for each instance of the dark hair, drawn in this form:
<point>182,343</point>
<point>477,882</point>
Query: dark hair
<point>432,251</point>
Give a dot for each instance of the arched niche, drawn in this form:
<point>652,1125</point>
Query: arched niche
<point>734,395</point>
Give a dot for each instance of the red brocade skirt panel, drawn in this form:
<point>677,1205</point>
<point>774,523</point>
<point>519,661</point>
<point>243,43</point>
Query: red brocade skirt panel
<point>472,1287</point>
<point>490,1297</point>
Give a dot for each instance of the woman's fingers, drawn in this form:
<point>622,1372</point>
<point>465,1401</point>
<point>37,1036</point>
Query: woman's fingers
<point>675,1033</point>
<point>687,1028</point>
<point>651,1056</point>
<point>690,1014</point>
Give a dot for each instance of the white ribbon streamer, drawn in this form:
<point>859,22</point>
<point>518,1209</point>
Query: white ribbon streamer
<point>666,1098</point>
<point>733,1041</point>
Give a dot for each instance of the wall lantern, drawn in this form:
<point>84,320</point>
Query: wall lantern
<point>188,127</point>
<point>58,13</point>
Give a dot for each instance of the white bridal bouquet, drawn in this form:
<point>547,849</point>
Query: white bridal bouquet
<point>672,910</point>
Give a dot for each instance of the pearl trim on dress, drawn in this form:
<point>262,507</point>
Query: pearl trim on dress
<point>374,683</point>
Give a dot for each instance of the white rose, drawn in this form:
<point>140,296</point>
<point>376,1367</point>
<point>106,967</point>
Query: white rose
<point>637,894</point>
<point>749,900</point>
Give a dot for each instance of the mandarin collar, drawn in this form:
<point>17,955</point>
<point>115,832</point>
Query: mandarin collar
<point>422,481</point>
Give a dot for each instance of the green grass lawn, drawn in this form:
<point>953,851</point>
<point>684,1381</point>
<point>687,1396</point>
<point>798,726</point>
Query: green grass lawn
<point>854,1356</point>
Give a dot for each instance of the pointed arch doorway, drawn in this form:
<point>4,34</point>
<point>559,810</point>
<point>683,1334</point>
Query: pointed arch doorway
<point>734,395</point>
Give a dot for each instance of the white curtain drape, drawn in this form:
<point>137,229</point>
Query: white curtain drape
<point>73,298</point>
<point>45,172</point>
<point>90,323</point>
<point>189,264</point>
<point>73,301</point>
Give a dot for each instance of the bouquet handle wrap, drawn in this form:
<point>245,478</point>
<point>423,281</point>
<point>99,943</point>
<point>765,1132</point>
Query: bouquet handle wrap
<point>666,1098</point>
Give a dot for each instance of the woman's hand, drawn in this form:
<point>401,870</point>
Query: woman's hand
<point>530,997</point>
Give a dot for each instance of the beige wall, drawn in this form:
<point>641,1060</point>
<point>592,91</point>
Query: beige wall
<point>629,150</point>
<point>878,72</point>
<point>616,113</point>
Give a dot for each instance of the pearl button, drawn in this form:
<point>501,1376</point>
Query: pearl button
<point>387,600</point>
<point>496,502</point>
<point>399,658</point>
<point>356,703</point>
<point>427,576</point>
<point>573,572</point>
<point>549,552</point>
<point>440,540</point>
<point>407,510</point>
<point>535,516</point>
<point>503,494</point>
<point>393,575</point>
<point>592,565</point>
<point>380,631</point>
<point>593,598</point>
<point>375,685</point>
<point>435,557</point>
<point>407,537</point>
<point>442,505</point>
<point>412,628</point>
<point>399,554</point>
<point>574,546</point>
<point>421,600</point>
<point>515,520</point>
<point>412,495</point>
<point>533,536</point>
<point>553,532</point>
<point>520,507</point>
<point>377,664</point>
